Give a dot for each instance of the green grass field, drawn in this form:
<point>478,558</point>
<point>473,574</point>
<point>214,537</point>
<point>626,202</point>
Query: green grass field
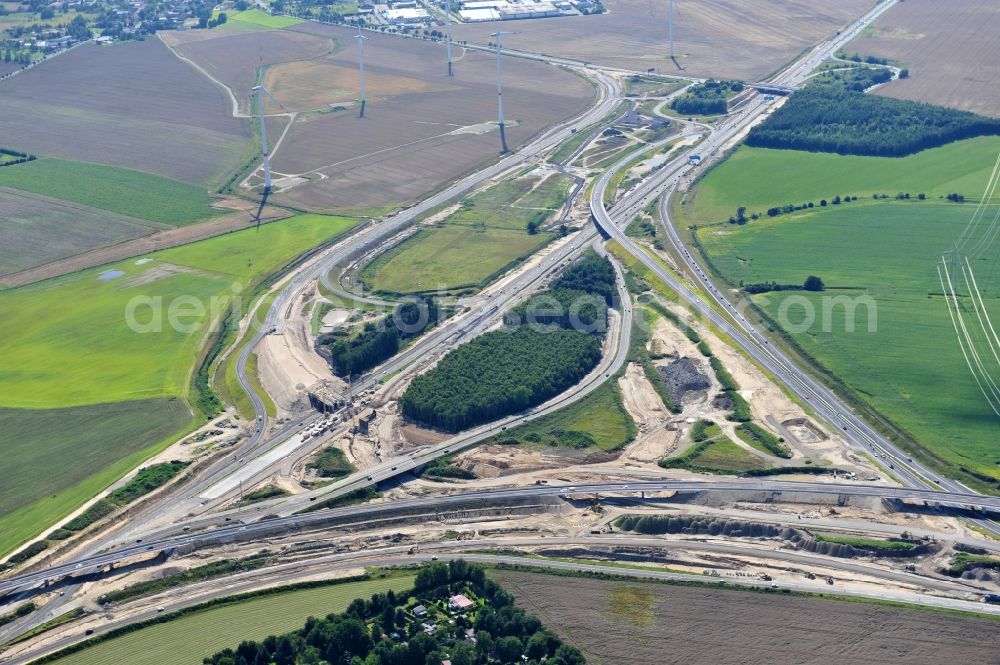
<point>67,343</point>
<point>263,19</point>
<point>726,455</point>
<point>911,368</point>
<point>866,543</point>
<point>598,421</point>
<point>449,258</point>
<point>225,380</point>
<point>484,236</point>
<point>759,178</point>
<point>191,637</point>
<point>133,193</point>
<point>39,485</point>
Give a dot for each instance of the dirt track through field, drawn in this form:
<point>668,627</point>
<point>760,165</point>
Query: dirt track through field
<point>654,624</point>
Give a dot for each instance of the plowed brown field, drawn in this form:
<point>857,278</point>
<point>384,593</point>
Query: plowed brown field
<point>643,623</point>
<point>951,48</point>
<point>133,105</point>
<point>722,38</point>
<point>421,128</point>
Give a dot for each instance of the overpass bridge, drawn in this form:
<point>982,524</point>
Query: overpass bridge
<point>771,88</point>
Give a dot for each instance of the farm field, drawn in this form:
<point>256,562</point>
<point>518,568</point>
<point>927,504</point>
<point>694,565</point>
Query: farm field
<point>232,58</point>
<point>711,39</point>
<point>48,323</point>
<point>449,258</point>
<point>951,55</point>
<point>911,368</point>
<point>35,230</point>
<point>85,310</point>
<point>759,178</point>
<point>134,193</point>
<point>135,106</point>
<point>659,624</point>
<point>421,129</point>
<point>40,487</point>
<point>256,17</point>
<point>190,638</point>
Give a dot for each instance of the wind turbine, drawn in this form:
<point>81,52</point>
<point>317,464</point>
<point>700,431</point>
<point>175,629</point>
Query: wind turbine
<point>447,30</point>
<point>256,93</point>
<point>503,134</point>
<point>361,68</point>
<point>670,26</point>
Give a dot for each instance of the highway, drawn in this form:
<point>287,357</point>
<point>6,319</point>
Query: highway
<point>166,534</point>
<point>723,314</point>
<point>289,573</point>
<point>728,317</point>
<point>374,234</point>
<point>264,527</point>
<point>450,334</point>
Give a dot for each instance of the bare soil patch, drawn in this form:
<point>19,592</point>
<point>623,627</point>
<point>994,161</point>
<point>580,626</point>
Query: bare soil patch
<point>724,38</point>
<point>642,623</point>
<point>135,105</point>
<point>307,85</point>
<point>656,435</point>
<point>288,365</point>
<point>950,48</point>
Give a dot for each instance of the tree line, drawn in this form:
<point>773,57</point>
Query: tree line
<point>378,340</point>
<point>811,283</point>
<point>18,157</point>
<point>708,98</point>
<point>833,114</point>
<point>565,308</point>
<point>520,366</point>
<point>384,630</point>
<point>742,217</point>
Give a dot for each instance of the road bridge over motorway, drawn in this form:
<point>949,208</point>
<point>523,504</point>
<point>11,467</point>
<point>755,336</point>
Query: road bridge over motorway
<point>771,88</point>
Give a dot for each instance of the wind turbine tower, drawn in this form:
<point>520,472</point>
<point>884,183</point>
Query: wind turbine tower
<point>447,30</point>
<point>255,94</point>
<point>670,27</point>
<point>503,134</point>
<point>361,69</point>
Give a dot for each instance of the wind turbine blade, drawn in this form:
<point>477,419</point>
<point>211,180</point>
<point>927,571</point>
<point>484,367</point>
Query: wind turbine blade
<point>272,98</point>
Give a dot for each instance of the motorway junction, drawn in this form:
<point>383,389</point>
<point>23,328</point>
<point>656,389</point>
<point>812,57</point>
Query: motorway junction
<point>874,524</point>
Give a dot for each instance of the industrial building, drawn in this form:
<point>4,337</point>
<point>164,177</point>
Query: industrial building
<point>507,10</point>
<point>407,16</point>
